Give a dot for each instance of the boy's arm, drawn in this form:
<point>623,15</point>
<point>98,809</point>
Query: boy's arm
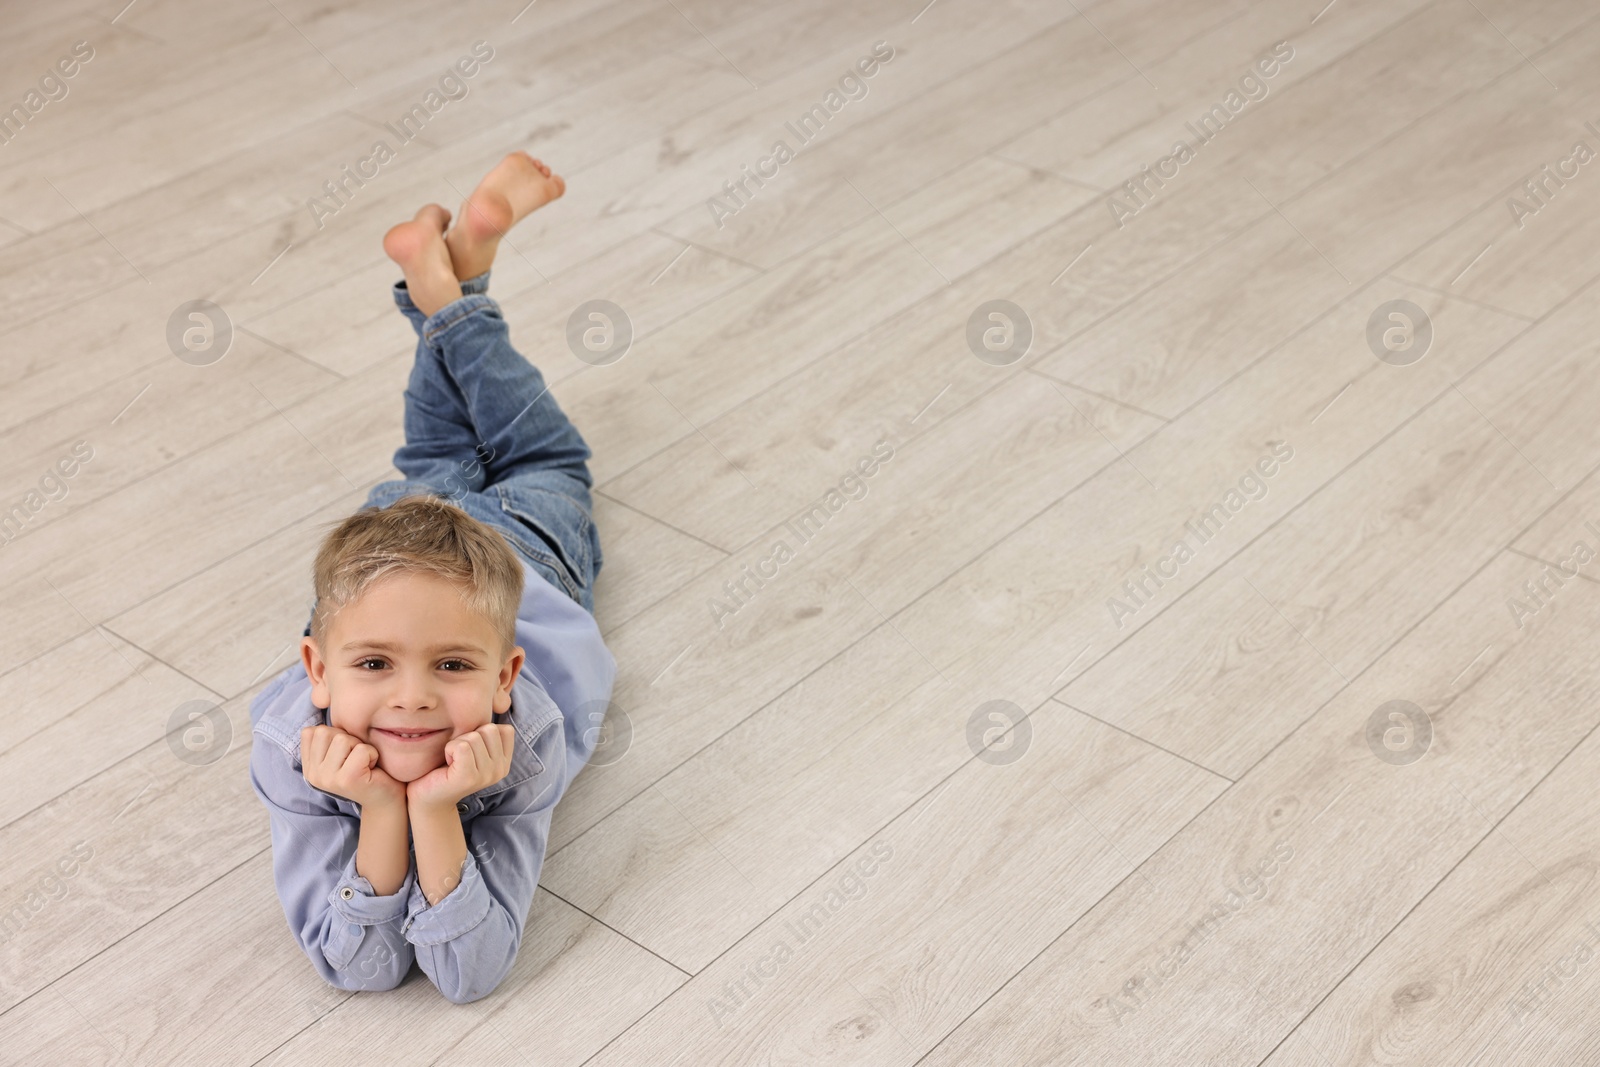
<point>349,931</point>
<point>467,941</point>
<point>441,849</point>
<point>383,854</point>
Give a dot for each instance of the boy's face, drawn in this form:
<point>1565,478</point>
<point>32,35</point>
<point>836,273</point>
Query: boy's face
<point>407,656</point>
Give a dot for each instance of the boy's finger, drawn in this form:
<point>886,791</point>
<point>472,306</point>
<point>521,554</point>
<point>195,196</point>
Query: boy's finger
<point>360,758</point>
<point>493,743</point>
<point>485,759</point>
<point>339,745</point>
<point>317,743</point>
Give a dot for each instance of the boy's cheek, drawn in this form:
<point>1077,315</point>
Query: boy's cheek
<point>340,716</point>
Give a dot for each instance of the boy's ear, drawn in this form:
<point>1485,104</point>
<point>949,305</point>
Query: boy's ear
<point>316,670</point>
<point>508,676</point>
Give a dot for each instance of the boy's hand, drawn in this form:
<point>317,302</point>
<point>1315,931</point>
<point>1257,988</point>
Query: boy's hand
<point>342,764</point>
<point>472,761</point>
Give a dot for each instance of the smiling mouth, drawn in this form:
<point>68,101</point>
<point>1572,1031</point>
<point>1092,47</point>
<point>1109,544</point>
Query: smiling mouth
<point>407,735</point>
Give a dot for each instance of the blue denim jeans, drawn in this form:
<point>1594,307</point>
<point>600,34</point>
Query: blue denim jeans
<point>483,431</point>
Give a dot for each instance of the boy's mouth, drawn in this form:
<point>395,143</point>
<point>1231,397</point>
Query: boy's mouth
<point>407,736</point>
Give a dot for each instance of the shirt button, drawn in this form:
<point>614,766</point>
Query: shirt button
<point>355,928</point>
<point>347,892</point>
<point>462,807</point>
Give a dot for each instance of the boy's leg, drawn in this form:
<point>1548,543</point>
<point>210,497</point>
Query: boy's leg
<point>445,439</point>
<point>442,448</point>
<point>479,416</point>
<point>534,461</point>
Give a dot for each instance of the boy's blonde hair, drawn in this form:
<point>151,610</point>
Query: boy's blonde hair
<point>416,533</point>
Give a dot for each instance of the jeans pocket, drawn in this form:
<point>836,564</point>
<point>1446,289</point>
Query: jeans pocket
<point>563,528</point>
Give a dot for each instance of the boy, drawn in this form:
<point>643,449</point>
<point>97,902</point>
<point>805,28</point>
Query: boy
<point>453,679</point>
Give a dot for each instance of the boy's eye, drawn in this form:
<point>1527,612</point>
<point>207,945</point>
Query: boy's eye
<point>456,664</point>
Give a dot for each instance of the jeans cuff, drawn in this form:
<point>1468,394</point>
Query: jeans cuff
<point>402,296</point>
<point>453,312</point>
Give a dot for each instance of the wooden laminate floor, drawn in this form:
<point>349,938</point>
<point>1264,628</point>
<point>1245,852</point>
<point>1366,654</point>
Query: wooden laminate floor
<point>1203,675</point>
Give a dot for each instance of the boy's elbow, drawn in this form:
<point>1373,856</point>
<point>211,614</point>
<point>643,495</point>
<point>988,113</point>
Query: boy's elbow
<point>472,991</point>
<point>467,995</point>
<point>378,983</point>
<point>385,982</point>
<point>367,974</point>
<point>472,968</point>
<point>475,988</point>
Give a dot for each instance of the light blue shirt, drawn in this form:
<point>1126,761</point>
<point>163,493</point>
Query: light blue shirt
<point>468,941</point>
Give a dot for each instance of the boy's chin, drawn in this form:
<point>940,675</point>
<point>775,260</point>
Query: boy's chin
<point>406,769</point>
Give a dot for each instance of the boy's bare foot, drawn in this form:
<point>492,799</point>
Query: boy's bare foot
<point>418,246</point>
<point>517,186</point>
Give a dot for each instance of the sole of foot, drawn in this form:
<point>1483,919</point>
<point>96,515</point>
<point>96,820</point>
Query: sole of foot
<point>418,247</point>
<point>518,186</point>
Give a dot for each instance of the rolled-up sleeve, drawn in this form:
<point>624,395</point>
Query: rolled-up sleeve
<point>468,941</point>
<point>351,934</point>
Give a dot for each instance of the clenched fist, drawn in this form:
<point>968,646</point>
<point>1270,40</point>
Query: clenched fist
<point>472,762</point>
<point>342,764</point>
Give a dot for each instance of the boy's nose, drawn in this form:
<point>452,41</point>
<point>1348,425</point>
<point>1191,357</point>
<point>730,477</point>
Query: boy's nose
<point>413,690</point>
